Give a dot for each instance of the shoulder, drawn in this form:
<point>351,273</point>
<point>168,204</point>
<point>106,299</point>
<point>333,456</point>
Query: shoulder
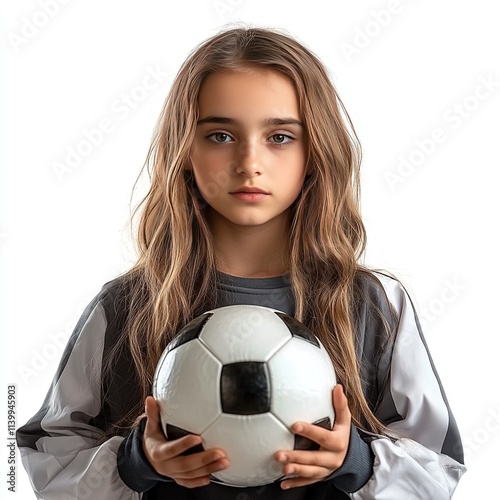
<point>381,289</point>
<point>376,319</point>
<point>115,295</point>
<point>116,288</point>
<point>108,311</point>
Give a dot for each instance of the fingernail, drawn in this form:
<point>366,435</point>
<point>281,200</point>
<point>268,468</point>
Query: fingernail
<point>299,428</point>
<point>281,457</point>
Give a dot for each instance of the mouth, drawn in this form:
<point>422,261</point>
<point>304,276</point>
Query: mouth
<point>254,190</point>
<point>250,194</point>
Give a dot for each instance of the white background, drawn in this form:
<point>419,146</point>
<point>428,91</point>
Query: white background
<point>403,69</point>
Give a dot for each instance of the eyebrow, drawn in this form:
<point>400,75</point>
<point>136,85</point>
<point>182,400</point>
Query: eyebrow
<point>268,121</point>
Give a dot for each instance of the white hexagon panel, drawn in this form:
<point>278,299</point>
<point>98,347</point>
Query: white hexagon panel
<point>188,392</point>
<point>250,442</point>
<point>302,381</point>
<point>233,329</point>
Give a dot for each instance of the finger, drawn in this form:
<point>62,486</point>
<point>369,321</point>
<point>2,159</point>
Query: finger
<point>198,465</point>
<point>297,482</point>
<point>153,429</point>
<point>158,448</point>
<point>310,471</point>
<point>160,453</point>
<point>197,461</point>
<point>152,410</point>
<point>342,412</point>
<point>153,423</point>
<point>170,463</point>
<point>319,458</point>
<point>171,449</point>
<point>314,432</point>
<point>194,483</point>
<point>168,454</point>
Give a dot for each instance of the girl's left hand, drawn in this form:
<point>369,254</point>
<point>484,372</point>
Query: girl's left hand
<point>313,466</point>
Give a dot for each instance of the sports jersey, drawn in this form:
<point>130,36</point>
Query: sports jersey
<point>64,458</point>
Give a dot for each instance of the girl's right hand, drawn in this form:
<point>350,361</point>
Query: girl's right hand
<point>165,456</point>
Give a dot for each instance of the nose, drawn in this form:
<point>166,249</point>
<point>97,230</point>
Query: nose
<point>248,161</point>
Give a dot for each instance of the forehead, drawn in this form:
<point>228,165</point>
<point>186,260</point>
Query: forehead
<point>247,93</point>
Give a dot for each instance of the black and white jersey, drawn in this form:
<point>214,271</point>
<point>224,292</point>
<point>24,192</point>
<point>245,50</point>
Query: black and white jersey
<point>422,458</point>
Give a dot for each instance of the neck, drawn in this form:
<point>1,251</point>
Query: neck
<point>252,251</point>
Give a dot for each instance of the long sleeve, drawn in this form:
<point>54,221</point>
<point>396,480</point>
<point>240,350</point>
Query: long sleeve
<point>358,464</point>
<point>423,459</point>
<point>133,466</point>
<point>58,445</point>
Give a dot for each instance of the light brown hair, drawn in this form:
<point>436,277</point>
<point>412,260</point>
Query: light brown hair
<point>173,279</point>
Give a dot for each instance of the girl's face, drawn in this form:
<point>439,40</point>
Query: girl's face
<point>249,152</point>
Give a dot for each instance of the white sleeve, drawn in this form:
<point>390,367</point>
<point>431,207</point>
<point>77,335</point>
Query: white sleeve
<point>424,461</point>
<point>59,444</point>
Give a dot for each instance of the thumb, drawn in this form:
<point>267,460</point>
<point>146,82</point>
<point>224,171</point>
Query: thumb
<point>342,412</point>
<point>153,422</point>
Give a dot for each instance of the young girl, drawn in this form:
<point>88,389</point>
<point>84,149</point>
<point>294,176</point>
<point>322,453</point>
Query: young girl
<point>253,200</point>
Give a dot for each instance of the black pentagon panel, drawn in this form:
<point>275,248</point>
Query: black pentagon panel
<point>172,432</point>
<point>190,332</point>
<point>303,443</point>
<point>245,388</point>
<point>297,329</point>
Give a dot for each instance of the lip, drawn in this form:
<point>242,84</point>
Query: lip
<point>249,194</point>
<point>248,189</point>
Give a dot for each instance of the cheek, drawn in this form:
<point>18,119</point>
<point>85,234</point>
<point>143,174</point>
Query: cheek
<point>297,173</point>
<point>295,190</point>
<point>200,164</point>
<point>209,160</point>
<point>212,182</point>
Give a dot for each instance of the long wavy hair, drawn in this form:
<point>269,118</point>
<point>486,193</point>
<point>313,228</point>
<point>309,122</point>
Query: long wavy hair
<point>173,279</point>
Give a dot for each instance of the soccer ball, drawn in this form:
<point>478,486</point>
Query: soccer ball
<point>241,376</point>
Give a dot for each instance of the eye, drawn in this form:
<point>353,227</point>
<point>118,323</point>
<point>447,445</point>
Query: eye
<point>281,139</point>
<point>219,137</point>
